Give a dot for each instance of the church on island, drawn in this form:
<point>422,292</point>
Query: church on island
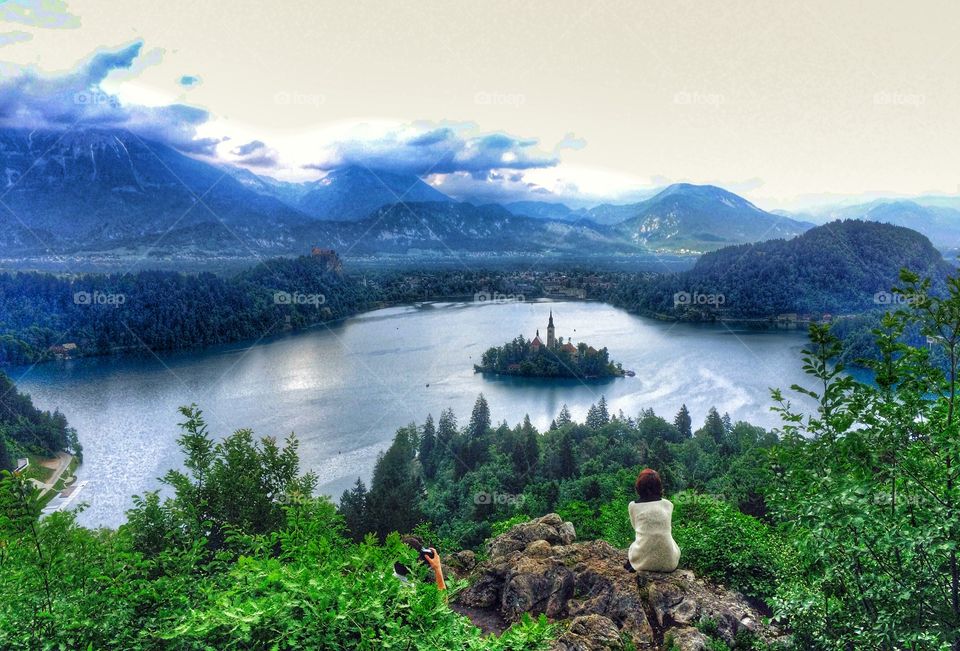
<point>553,344</point>
<point>554,358</point>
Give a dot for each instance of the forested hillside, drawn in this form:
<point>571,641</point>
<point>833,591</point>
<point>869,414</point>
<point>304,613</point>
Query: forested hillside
<point>837,268</point>
<point>161,310</point>
<point>24,429</point>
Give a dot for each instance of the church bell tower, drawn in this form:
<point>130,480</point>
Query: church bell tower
<point>551,340</point>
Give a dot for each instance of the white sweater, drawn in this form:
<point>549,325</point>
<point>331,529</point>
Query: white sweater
<point>654,548</point>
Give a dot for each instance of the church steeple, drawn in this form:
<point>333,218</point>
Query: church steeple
<point>551,340</point>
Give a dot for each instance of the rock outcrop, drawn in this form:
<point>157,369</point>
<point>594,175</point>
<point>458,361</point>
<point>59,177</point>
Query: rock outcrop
<point>537,567</point>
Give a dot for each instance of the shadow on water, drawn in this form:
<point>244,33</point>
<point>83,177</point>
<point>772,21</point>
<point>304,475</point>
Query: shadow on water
<point>561,382</point>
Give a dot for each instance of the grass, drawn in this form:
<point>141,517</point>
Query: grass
<point>36,471</point>
<point>61,483</point>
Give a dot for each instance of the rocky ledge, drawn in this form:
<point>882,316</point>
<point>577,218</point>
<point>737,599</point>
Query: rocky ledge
<point>537,567</point>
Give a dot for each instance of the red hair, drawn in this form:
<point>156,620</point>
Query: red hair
<point>649,487</point>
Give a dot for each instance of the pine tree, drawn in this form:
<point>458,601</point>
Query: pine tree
<point>355,511</point>
<point>727,423</point>
<point>602,409</point>
<point>713,426</point>
<point>526,450</point>
<point>446,431</point>
<point>532,453</point>
<point>428,443</point>
<point>567,463</point>
<point>683,422</point>
<point>396,490</point>
<point>597,415</point>
<point>480,418</point>
<point>564,418</point>
<point>593,417</point>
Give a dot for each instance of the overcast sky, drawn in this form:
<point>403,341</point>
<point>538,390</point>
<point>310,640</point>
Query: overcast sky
<point>777,101</point>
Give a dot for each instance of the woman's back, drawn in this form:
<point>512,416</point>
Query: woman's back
<point>654,548</point>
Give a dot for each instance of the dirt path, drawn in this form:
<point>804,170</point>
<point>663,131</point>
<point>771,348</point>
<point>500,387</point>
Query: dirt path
<point>59,465</point>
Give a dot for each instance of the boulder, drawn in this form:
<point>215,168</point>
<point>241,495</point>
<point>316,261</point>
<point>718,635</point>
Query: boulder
<point>463,562</point>
<point>687,639</point>
<point>538,567</point>
<point>589,632</point>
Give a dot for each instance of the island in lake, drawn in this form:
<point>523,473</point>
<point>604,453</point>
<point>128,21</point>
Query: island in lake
<point>551,359</point>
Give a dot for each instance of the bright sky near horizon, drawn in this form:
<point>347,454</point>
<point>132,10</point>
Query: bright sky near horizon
<point>785,103</point>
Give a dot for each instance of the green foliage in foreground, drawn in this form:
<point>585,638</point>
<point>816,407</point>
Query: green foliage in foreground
<point>868,488</point>
<point>720,543</point>
<point>181,575</point>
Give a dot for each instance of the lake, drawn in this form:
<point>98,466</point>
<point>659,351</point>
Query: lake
<point>345,389</point>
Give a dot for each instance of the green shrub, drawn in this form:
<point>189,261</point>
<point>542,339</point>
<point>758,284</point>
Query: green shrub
<point>342,598</point>
<point>719,542</point>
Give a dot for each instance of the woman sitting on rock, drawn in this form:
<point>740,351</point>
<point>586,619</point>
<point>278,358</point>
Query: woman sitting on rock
<point>654,549</point>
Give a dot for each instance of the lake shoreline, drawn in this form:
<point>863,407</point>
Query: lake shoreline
<point>345,389</point>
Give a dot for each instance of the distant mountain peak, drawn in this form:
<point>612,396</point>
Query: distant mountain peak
<point>353,192</point>
<point>704,192</point>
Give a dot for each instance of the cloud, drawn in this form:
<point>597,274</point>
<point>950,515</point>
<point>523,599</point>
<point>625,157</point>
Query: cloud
<point>255,154</point>
<point>424,149</point>
<point>247,149</point>
<point>490,187</point>
<point>571,141</point>
<point>49,14</point>
<point>9,38</point>
<point>34,100</point>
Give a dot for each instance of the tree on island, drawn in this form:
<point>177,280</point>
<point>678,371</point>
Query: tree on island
<point>534,358</point>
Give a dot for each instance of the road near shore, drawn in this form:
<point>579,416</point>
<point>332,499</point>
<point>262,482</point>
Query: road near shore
<point>63,460</point>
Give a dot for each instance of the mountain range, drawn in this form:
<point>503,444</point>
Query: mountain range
<point>936,217</point>
<point>346,194</point>
<point>109,192</point>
